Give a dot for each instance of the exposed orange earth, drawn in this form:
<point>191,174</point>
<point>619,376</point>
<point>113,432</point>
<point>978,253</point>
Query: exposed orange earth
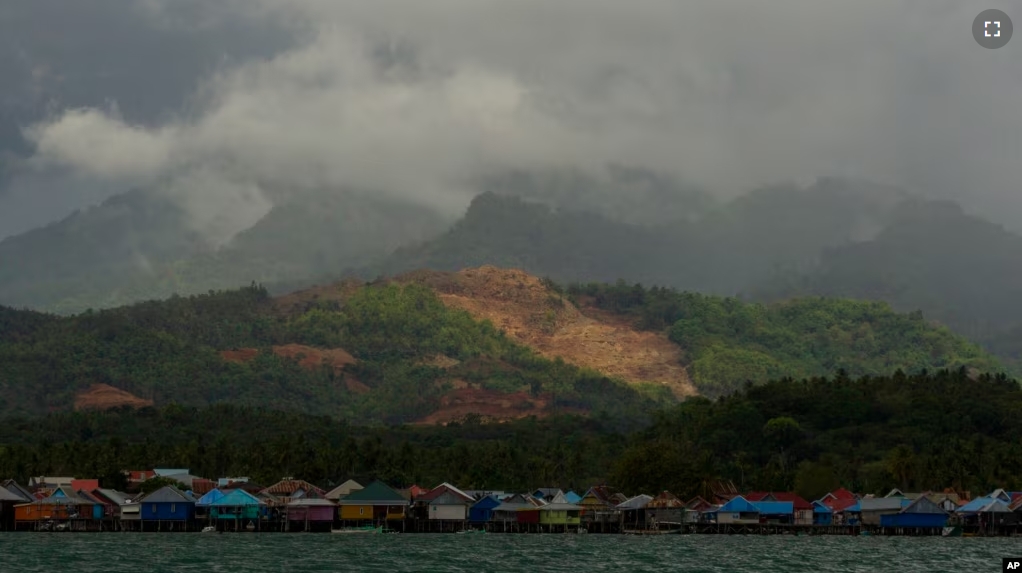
<point>492,405</point>
<point>525,309</point>
<point>308,357</point>
<point>530,313</point>
<point>104,397</point>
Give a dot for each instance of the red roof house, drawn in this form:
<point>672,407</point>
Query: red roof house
<point>88,485</point>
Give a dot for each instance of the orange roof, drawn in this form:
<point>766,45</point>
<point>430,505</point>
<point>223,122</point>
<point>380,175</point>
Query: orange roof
<point>289,486</point>
<point>85,484</point>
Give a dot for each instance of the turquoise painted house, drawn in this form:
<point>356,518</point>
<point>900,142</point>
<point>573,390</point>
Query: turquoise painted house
<point>238,504</point>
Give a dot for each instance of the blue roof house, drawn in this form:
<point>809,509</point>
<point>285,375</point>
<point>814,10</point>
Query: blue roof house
<point>482,510</point>
<point>572,497</point>
<point>822,515</point>
<point>210,497</point>
<point>238,504</point>
<point>921,513</point>
<point>738,510</point>
<point>167,504</point>
<point>775,511</point>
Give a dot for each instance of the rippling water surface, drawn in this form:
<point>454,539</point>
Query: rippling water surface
<point>294,553</point>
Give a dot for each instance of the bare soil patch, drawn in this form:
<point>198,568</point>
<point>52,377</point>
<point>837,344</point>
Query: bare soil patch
<point>104,397</point>
<point>533,314</point>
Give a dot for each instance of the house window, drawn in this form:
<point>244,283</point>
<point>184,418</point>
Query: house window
<point>154,508</point>
<point>173,508</point>
<point>361,511</point>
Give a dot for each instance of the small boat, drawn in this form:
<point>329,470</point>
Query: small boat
<point>366,529</point>
<point>953,531</point>
<point>209,529</point>
<point>472,531</point>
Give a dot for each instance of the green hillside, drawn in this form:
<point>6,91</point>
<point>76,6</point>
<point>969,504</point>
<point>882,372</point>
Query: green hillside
<point>729,342</point>
<point>411,350</point>
<point>961,270</point>
<point>169,352</point>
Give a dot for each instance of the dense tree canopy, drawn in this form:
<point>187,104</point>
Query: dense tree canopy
<point>919,432</point>
<point>729,341</point>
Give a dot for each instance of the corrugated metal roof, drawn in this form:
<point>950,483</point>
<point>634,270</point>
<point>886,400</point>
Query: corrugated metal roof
<point>637,502</point>
<point>74,500</point>
<point>17,489</point>
<point>841,493</point>
<point>603,493</point>
<point>698,504</point>
<point>441,490</point>
<point>738,504</point>
<point>922,504</point>
<point>168,494</point>
<point>343,490</point>
<point>168,472</point>
<point>665,500</point>
<point>559,498</point>
<point>237,498</point>
<point>6,495</point>
<point>985,504</point>
<point>487,502</point>
<point>561,507</point>
<point>450,498</point>
<point>118,497</point>
<point>995,506</point>
<point>209,498</point>
<point>882,503</point>
<point>286,487</point>
<point>376,493</point>
<point>797,501</point>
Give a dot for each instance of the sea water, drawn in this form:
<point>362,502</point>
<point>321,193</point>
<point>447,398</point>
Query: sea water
<point>492,553</point>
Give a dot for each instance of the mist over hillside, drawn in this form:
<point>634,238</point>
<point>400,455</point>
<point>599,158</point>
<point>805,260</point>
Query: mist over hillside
<point>173,147</point>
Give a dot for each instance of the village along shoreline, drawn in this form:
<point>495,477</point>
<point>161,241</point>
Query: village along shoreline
<point>188,503</point>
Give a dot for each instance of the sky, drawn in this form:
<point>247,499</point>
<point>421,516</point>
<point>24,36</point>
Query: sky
<point>227,105</point>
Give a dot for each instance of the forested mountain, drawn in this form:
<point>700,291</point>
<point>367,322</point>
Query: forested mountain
<point>835,238</point>
<point>621,193</point>
<point>565,245</point>
<point>426,349</point>
<point>389,353</point>
<point>959,269</point>
<point>918,433</point>
<point>142,246</point>
<point>94,250</point>
<point>728,342</point>
<point>726,249</point>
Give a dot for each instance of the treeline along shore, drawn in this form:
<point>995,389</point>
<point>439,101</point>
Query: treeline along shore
<point>784,456</point>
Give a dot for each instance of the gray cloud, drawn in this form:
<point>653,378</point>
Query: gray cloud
<point>420,99</point>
